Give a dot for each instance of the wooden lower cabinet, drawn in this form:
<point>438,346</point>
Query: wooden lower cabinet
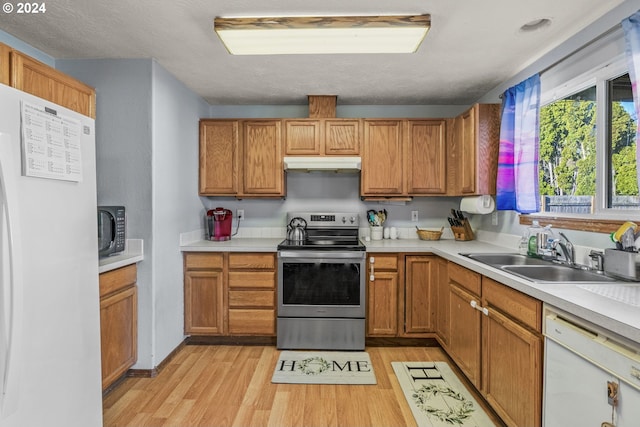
<point>512,354</point>
<point>441,300</point>
<point>465,332</point>
<point>382,295</point>
<point>118,323</point>
<point>401,296</point>
<point>230,293</point>
<point>421,273</point>
<point>252,294</point>
<point>495,338</point>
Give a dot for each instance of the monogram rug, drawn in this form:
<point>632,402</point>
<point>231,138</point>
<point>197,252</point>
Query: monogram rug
<point>324,367</point>
<point>437,397</point>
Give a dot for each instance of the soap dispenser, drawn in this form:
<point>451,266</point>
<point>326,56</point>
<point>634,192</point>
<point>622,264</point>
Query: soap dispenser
<point>525,240</point>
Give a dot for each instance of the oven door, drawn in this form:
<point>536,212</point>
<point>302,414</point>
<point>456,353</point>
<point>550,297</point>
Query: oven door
<point>326,284</point>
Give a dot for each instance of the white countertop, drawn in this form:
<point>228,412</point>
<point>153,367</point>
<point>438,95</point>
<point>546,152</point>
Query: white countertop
<point>621,318</point>
<point>134,252</point>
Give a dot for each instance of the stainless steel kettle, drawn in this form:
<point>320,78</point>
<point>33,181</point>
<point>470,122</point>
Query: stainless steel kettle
<point>297,230</point>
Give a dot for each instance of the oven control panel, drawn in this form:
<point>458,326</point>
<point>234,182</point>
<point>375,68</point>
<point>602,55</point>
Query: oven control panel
<point>327,219</point>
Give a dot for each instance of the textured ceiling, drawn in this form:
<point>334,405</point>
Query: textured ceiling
<point>471,48</point>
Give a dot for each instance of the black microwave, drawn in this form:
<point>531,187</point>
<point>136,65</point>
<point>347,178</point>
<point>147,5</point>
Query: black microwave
<point>111,230</point>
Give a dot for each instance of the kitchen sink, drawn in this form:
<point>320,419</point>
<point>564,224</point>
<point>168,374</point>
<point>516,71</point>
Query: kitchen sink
<point>499,259</point>
<point>538,270</point>
<point>556,273</point>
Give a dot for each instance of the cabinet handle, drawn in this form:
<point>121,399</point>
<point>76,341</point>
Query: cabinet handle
<point>475,305</point>
<point>372,270</point>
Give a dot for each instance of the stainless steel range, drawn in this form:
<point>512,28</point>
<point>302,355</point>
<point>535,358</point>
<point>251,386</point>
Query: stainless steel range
<point>321,284</point>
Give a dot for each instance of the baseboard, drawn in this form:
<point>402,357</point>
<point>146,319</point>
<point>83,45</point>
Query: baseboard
<point>152,373</point>
<point>401,342</point>
<point>219,340</point>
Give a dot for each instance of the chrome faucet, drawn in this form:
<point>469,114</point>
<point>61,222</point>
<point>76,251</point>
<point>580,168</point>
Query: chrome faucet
<point>568,251</point>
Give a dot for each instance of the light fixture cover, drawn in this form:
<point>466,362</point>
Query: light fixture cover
<point>322,35</point>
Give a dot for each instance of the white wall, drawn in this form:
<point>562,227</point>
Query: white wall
<point>123,162</point>
<point>18,44</point>
<point>176,206</point>
<point>147,157</point>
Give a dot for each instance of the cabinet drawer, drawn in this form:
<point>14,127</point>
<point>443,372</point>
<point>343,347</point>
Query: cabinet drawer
<point>118,279</point>
<point>467,279</point>
<point>252,279</point>
<point>252,322</point>
<point>203,260</point>
<point>262,261</point>
<point>384,262</point>
<point>523,308</point>
<point>253,299</point>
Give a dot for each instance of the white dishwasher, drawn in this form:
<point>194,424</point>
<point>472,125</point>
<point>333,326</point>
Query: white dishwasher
<point>590,379</point>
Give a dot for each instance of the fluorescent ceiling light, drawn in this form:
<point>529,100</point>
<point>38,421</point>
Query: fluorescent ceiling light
<point>320,35</point>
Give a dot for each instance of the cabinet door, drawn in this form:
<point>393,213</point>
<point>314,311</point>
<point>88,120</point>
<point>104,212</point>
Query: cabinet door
<point>512,370</point>
<point>204,302</point>
<point>464,332</point>
<point>420,281</point>
<point>118,334</point>
<point>382,318</point>
<point>302,137</point>
<point>383,158</point>
<point>426,159</point>
<point>474,150</point>
<point>219,144</point>
<point>5,53</point>
<point>342,137</point>
<point>263,174</point>
<point>467,166</point>
<point>36,78</point>
<point>442,301</point>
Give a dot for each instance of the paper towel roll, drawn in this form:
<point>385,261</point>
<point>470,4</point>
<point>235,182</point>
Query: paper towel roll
<point>478,204</point>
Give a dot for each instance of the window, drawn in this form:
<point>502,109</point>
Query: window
<point>622,185</point>
<point>582,169</point>
<point>567,169</point>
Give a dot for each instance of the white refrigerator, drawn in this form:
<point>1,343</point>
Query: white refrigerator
<point>50,371</point>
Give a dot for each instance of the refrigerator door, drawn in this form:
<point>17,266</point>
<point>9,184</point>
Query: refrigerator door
<point>58,321</point>
<point>10,283</point>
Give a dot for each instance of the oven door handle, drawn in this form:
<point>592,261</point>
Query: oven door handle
<point>315,255</point>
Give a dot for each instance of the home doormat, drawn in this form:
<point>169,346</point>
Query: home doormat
<point>324,367</point>
<point>437,397</point>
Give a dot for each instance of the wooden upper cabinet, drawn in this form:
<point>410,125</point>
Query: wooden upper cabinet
<point>302,137</point>
<point>383,158</point>
<point>342,137</point>
<point>263,173</point>
<point>219,145</point>
<point>36,78</point>
<point>475,144</point>
<point>5,53</point>
<point>309,137</point>
<point>426,159</point>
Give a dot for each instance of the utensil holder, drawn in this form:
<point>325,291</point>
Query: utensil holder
<point>376,232</point>
<point>463,232</point>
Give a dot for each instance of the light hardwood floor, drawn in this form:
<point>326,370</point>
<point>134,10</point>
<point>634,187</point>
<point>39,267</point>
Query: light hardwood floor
<point>213,385</point>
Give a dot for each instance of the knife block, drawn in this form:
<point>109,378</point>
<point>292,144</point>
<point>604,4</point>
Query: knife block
<point>463,232</point>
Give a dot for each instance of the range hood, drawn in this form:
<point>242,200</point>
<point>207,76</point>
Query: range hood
<point>347,164</point>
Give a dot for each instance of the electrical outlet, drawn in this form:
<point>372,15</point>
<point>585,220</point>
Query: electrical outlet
<point>240,214</point>
<point>414,216</point>
<point>494,218</point>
